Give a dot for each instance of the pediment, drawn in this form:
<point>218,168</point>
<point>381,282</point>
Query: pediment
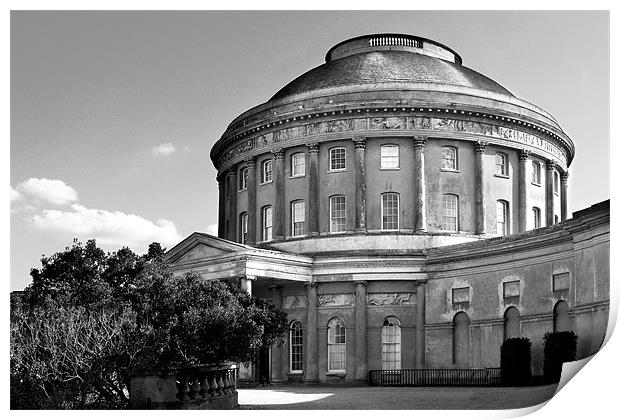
<point>199,246</point>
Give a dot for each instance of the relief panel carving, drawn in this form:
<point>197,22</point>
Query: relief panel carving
<point>336,300</point>
<point>294,302</point>
<point>378,299</point>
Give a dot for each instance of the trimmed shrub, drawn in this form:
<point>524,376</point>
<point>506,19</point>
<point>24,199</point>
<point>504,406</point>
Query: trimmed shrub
<point>515,361</point>
<point>560,347</point>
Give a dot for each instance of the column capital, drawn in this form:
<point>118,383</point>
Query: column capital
<point>419,142</point>
<point>524,154</point>
<point>311,284</point>
<point>480,146</point>
<point>360,282</point>
<point>313,148</point>
<point>250,162</point>
<point>359,142</point>
<point>564,177</point>
<point>278,154</point>
<point>551,165</point>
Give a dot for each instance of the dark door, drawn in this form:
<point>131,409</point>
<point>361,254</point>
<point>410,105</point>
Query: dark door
<point>264,371</point>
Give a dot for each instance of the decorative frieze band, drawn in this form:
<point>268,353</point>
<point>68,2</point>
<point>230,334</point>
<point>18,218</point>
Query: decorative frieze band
<point>400,123</point>
<point>294,302</point>
<point>341,299</point>
<point>379,299</point>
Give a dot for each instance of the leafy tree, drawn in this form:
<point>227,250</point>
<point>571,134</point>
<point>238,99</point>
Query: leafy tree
<point>560,347</point>
<point>515,361</point>
<point>89,317</point>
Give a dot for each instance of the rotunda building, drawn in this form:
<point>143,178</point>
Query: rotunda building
<point>407,212</point>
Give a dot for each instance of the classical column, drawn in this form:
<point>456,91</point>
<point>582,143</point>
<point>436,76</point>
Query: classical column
<point>245,284</point>
<point>549,192</point>
<point>479,184</point>
<point>524,156</point>
<point>311,368</point>
<point>361,362</point>
<point>253,224</point>
<point>313,189</point>
<point>360,183</point>
<point>221,211</point>
<point>276,351</point>
<point>279,201</point>
<point>232,203</point>
<point>420,346</point>
<point>564,196</point>
<point>419,142</point>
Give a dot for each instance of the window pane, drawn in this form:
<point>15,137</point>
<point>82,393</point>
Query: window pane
<point>337,159</point>
<point>337,214</point>
<point>298,218</point>
<point>448,158</point>
<point>500,164</point>
<point>267,172</point>
<point>336,345</point>
<point>450,212</point>
<point>389,211</point>
<point>267,232</point>
<point>243,228</point>
<point>536,212</point>
<point>502,218</point>
<point>298,164</point>
<point>296,347</point>
<point>390,343</point>
<point>389,156</point>
<point>536,172</point>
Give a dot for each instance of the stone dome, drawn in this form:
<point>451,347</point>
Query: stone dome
<point>372,67</point>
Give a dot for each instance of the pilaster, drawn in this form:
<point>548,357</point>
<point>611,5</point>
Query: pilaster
<point>313,189</point>
<point>276,351</point>
<point>232,206</point>
<point>253,224</point>
<point>221,210</point>
<point>420,346</point>
<point>279,201</point>
<point>311,369</point>
<point>361,362</point>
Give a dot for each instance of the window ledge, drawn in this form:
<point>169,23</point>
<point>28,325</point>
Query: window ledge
<point>450,170</point>
<point>266,182</point>
<point>297,176</point>
<point>390,169</point>
<point>242,190</point>
<point>502,176</point>
<point>332,171</point>
<point>339,373</point>
<point>536,184</point>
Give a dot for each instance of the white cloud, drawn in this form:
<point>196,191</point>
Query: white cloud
<point>54,191</point>
<point>164,149</point>
<point>212,229</point>
<point>111,229</point>
<point>15,195</point>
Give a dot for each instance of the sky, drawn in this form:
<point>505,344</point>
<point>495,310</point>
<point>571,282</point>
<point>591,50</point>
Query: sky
<point>113,114</point>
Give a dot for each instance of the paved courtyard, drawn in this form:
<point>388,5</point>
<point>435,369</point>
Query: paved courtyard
<point>390,398</point>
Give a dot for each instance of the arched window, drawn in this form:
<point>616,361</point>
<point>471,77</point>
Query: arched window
<point>390,156</point>
<point>390,344</point>
<point>512,326</point>
<point>266,172</point>
<point>296,347</point>
<point>450,212</point>
<point>298,164</point>
<point>460,340</point>
<point>336,345</point>
<point>389,211</point>
<point>267,223</point>
<point>501,164</point>
<point>337,159</point>
<point>449,158</point>
<point>561,321</point>
<point>503,218</point>
<point>537,219</point>
<point>298,218</point>
<point>337,214</point>
<point>243,228</point>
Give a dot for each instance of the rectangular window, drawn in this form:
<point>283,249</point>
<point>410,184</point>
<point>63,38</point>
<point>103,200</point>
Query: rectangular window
<point>298,218</point>
<point>243,228</point>
<point>460,295</point>
<point>337,214</point>
<point>501,164</point>
<point>448,158</point>
<point>556,182</point>
<point>267,230</point>
<point>536,172</point>
<point>561,282</point>
<point>502,217</point>
<point>389,211</point>
<point>266,173</point>
<point>243,179</point>
<point>450,212</point>
<point>298,164</point>
<point>338,159</point>
<point>537,219</point>
<point>511,289</point>
<point>389,156</point>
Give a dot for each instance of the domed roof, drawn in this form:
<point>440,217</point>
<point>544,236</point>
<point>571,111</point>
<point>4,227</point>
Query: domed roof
<point>349,64</point>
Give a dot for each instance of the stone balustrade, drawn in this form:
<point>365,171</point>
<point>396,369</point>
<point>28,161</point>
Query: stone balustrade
<point>201,387</point>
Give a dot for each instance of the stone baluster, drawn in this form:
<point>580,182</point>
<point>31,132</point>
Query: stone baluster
<point>220,383</point>
<point>212,384</point>
<point>183,388</point>
<point>524,156</point>
<point>360,183</point>
<point>419,143</point>
<point>313,189</point>
<point>204,386</point>
<point>479,186</point>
